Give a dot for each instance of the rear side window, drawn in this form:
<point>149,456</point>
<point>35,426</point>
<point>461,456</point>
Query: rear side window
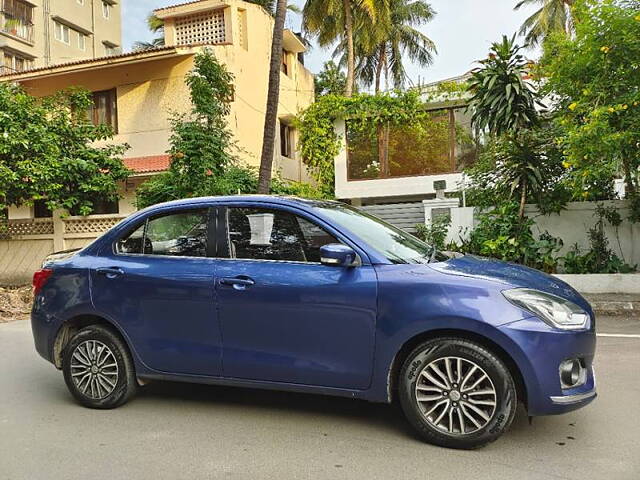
<point>268,234</point>
<point>182,234</point>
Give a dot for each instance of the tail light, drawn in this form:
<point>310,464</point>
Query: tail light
<point>40,278</point>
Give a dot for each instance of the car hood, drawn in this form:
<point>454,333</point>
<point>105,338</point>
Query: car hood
<point>511,275</point>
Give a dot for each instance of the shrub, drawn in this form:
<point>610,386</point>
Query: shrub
<point>435,232</point>
<point>503,235</point>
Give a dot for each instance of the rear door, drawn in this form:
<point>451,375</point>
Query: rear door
<point>158,284</point>
<point>285,317</point>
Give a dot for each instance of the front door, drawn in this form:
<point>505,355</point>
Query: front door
<point>285,317</point>
<point>158,284</point>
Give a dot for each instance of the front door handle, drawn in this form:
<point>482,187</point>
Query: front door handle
<point>110,272</point>
<point>240,282</point>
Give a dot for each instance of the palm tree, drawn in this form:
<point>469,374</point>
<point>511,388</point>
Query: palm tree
<point>333,20</point>
<point>273,97</point>
<point>552,16</point>
<point>156,26</point>
<point>381,46</point>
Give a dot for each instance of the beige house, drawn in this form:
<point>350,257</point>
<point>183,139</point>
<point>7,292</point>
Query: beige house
<point>136,94</point>
<point>36,33</point>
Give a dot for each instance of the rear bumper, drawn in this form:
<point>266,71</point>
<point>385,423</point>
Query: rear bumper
<point>542,349</point>
<point>43,330</point>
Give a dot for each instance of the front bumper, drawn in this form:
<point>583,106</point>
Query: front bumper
<point>541,349</point>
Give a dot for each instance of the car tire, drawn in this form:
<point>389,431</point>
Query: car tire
<point>436,395</point>
<point>98,368</point>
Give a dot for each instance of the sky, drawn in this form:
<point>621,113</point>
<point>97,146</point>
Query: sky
<point>462,30</point>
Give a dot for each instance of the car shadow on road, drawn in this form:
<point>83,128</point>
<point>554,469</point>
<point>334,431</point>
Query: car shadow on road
<point>334,409</point>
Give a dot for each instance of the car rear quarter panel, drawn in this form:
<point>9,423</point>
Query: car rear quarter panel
<point>65,295</point>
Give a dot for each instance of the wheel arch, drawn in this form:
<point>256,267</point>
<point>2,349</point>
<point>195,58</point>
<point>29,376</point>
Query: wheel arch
<point>408,346</point>
<point>69,327</point>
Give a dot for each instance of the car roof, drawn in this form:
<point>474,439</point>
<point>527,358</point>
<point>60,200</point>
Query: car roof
<point>278,199</point>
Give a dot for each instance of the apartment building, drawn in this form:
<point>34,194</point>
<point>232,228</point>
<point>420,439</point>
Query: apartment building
<point>37,33</point>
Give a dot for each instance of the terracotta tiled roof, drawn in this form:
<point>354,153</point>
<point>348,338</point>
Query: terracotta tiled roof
<point>94,60</point>
<point>150,164</point>
<point>177,5</point>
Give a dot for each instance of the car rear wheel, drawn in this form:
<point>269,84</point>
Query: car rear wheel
<point>456,393</point>
<point>98,369</point>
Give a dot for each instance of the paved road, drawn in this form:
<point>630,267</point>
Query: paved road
<point>175,431</point>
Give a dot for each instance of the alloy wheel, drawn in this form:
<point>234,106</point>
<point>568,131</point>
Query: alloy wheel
<point>94,369</point>
<point>455,395</point>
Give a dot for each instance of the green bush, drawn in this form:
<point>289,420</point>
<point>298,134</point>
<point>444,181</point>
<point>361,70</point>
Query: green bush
<point>501,234</point>
<point>599,258</point>
<point>434,233</point>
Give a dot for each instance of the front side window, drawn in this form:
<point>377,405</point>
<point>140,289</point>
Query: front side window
<point>182,234</point>
<point>104,110</point>
<point>267,234</point>
<point>396,245</point>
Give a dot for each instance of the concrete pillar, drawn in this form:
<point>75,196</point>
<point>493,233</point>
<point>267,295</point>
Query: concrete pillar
<point>58,231</point>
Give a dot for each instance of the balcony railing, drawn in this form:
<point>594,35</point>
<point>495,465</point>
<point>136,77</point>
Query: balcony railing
<point>18,29</point>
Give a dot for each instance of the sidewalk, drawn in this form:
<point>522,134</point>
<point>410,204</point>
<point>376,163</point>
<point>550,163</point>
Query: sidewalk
<point>614,304</point>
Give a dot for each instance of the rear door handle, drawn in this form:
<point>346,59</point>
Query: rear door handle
<point>110,272</point>
<point>239,283</point>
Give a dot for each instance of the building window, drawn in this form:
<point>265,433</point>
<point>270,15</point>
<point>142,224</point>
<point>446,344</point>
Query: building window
<point>62,33</point>
<point>284,66</point>
<point>40,209</point>
<point>110,50</point>
<point>429,146</point>
<point>106,10</point>
<point>105,109</point>
<point>17,19</point>
<point>82,41</point>
<point>286,140</point>
<point>15,63</point>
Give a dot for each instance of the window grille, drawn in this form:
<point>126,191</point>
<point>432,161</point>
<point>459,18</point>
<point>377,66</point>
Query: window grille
<point>205,27</point>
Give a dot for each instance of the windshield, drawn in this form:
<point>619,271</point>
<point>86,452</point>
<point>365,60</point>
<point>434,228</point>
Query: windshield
<point>395,244</point>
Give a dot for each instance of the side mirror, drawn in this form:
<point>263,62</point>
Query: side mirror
<point>338,255</point>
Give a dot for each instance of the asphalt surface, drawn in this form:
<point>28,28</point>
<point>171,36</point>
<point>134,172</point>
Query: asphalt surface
<point>179,431</point>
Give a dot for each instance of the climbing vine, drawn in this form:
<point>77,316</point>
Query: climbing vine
<point>319,142</point>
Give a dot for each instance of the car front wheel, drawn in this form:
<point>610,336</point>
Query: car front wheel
<point>456,393</point>
<point>98,369</point>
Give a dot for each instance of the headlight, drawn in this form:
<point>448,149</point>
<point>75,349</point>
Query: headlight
<point>555,311</point>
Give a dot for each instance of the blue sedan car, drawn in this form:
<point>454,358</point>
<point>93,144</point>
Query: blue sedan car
<point>317,297</point>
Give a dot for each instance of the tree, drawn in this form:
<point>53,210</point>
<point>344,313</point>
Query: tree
<point>502,99</point>
<point>273,97</point>
<point>48,151</point>
<point>381,46</point>
<point>504,104</point>
<point>201,142</point>
<point>330,81</point>
<point>553,16</point>
<point>332,20</point>
<point>156,26</point>
<point>530,158</point>
<point>595,78</point>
